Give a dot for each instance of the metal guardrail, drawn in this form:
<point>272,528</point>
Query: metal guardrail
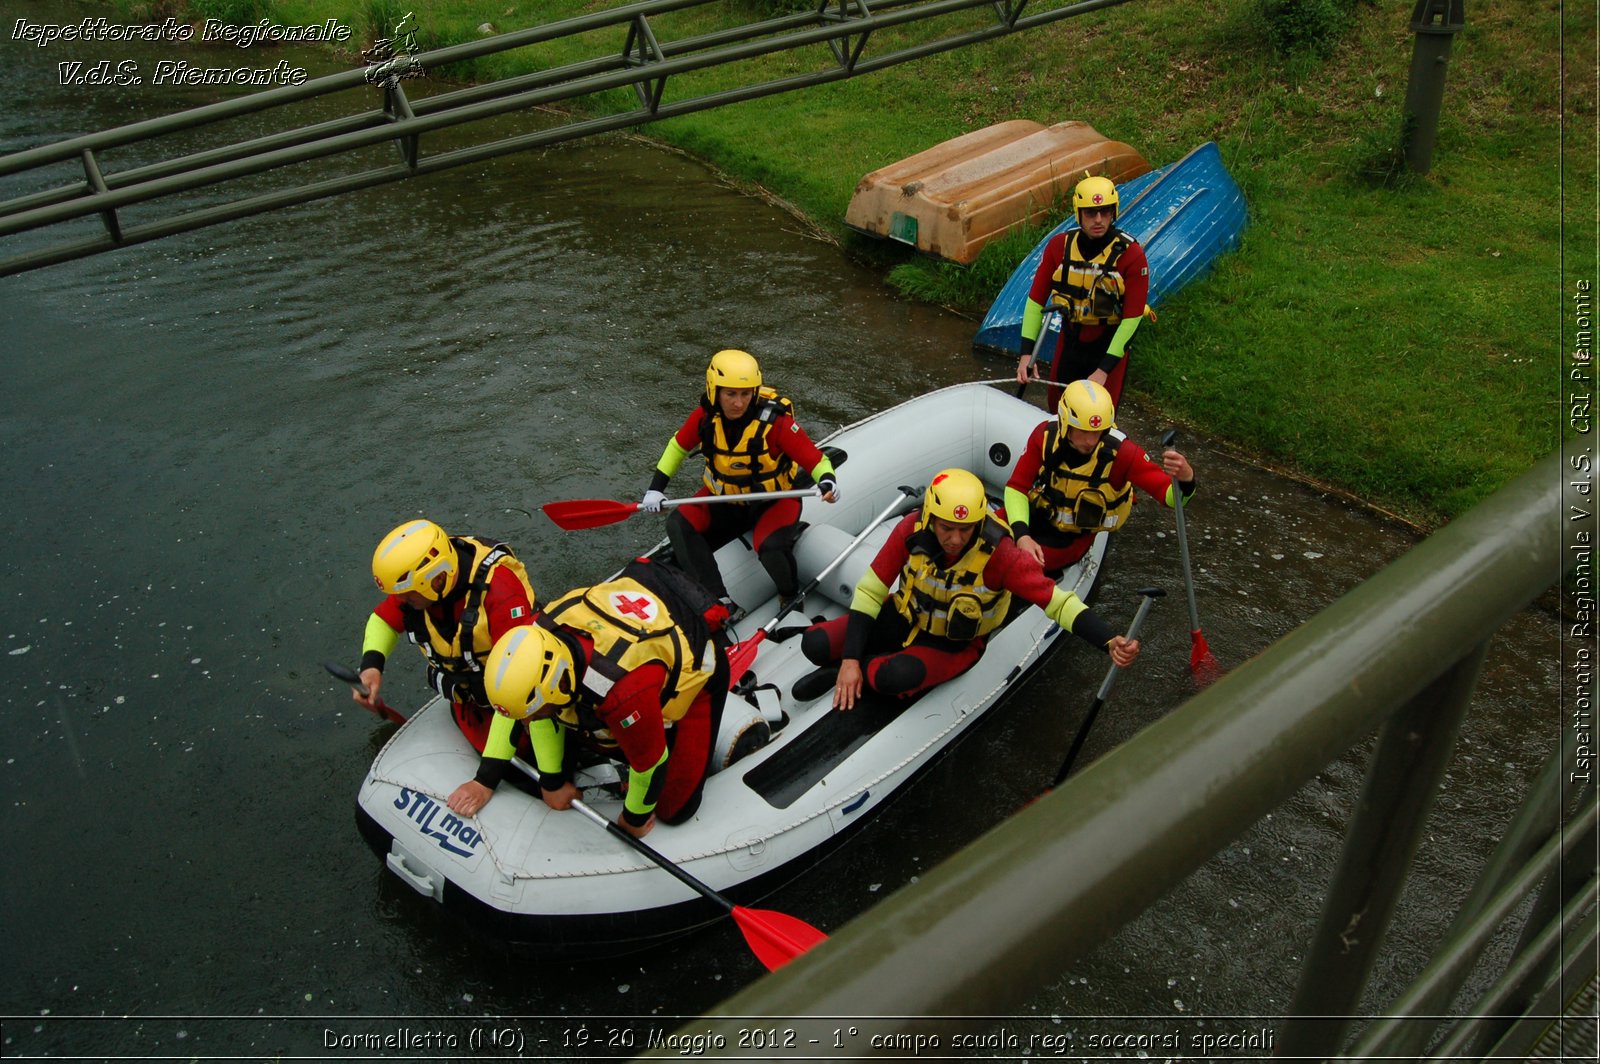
<point>979,934</point>
<point>644,63</point>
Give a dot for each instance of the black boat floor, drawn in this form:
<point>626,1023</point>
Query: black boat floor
<point>805,758</point>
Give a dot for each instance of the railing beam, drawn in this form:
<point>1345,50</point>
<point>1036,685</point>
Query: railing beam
<point>643,66</point>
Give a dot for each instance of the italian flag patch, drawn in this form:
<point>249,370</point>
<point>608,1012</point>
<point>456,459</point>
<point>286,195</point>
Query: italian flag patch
<point>629,721</point>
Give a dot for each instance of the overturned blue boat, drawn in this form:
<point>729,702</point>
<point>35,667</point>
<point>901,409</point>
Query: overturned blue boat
<point>1184,215</point>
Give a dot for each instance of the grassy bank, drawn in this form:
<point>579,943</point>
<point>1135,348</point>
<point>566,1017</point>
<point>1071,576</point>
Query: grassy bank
<point>1400,338</point>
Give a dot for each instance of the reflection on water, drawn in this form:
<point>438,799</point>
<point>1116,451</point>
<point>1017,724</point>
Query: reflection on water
<point>206,435</point>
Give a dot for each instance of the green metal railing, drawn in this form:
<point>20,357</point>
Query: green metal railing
<point>634,56</point>
<point>1399,654</point>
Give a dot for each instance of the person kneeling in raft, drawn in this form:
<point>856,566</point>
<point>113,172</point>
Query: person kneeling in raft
<point>632,665</point>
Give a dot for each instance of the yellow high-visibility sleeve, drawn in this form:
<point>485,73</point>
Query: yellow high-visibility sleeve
<point>672,458</point>
<point>1017,507</point>
<point>639,787</point>
<point>549,746</point>
<point>1064,608</point>
<point>379,636</point>
<point>870,593</point>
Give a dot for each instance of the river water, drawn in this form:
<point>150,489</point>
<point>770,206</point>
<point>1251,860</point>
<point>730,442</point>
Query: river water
<point>205,436</point>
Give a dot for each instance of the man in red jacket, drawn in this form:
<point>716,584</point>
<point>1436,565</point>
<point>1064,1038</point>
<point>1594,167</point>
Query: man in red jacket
<point>453,596</point>
<point>1100,278</point>
<point>957,568</point>
<point>631,666</point>
<point>1076,476</point>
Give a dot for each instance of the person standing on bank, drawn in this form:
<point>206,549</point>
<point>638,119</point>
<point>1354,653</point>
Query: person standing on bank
<point>1100,278</point>
<point>453,596</point>
<point>957,568</point>
<point>751,443</point>
<point>1076,476</point>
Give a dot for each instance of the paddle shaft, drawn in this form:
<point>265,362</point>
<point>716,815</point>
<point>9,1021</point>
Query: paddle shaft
<point>1183,539</point>
<point>1039,342</point>
<point>665,863</point>
<point>754,496</point>
<point>1150,596</point>
<point>737,669</point>
<point>816,581</point>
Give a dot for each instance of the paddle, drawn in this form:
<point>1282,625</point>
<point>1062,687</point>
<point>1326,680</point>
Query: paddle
<point>574,514</point>
<point>775,938</point>
<point>353,678</point>
<point>1039,345</point>
<point>1202,664</point>
<point>1150,595</point>
<point>743,653</point>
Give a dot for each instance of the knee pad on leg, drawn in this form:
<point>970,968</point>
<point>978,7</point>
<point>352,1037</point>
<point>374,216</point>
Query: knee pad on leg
<point>898,675</point>
<point>814,644</point>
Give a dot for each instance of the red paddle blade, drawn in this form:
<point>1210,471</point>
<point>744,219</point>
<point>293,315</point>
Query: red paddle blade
<point>775,938</point>
<point>1201,662</point>
<point>743,655</point>
<point>574,514</point>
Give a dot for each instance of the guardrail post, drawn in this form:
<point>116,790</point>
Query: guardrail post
<point>1538,818</point>
<point>1435,24</point>
<point>97,187</point>
<point>1413,748</point>
<point>1557,892</point>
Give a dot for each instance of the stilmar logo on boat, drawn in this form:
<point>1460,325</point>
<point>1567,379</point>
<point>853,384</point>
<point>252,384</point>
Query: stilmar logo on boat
<point>452,833</point>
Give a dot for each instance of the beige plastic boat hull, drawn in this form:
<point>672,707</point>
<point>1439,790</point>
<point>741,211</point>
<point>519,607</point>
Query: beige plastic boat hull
<point>955,197</point>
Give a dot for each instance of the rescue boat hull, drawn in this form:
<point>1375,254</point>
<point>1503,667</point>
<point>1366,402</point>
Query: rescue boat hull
<point>523,874</point>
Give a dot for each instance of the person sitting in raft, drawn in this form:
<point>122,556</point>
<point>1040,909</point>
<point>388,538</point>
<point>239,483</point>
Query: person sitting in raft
<point>1076,476</point>
<point>453,596</point>
<point>1100,278</point>
<point>957,568</point>
<point>751,443</point>
<point>632,665</point>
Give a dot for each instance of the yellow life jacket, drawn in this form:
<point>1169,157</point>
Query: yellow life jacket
<point>951,603</point>
<point>744,465</point>
<point>1079,498</point>
<point>1092,288</point>
<point>630,626</point>
<point>458,654</point>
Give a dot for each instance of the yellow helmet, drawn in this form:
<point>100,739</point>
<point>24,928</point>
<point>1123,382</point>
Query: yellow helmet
<point>1095,192</point>
<point>955,495</point>
<point>731,368</point>
<point>1086,405</point>
<point>410,557</point>
<point>528,669</point>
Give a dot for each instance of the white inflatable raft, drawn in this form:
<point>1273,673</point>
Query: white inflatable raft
<point>524,874</point>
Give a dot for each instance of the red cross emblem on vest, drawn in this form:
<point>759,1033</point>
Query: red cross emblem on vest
<point>641,607</point>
